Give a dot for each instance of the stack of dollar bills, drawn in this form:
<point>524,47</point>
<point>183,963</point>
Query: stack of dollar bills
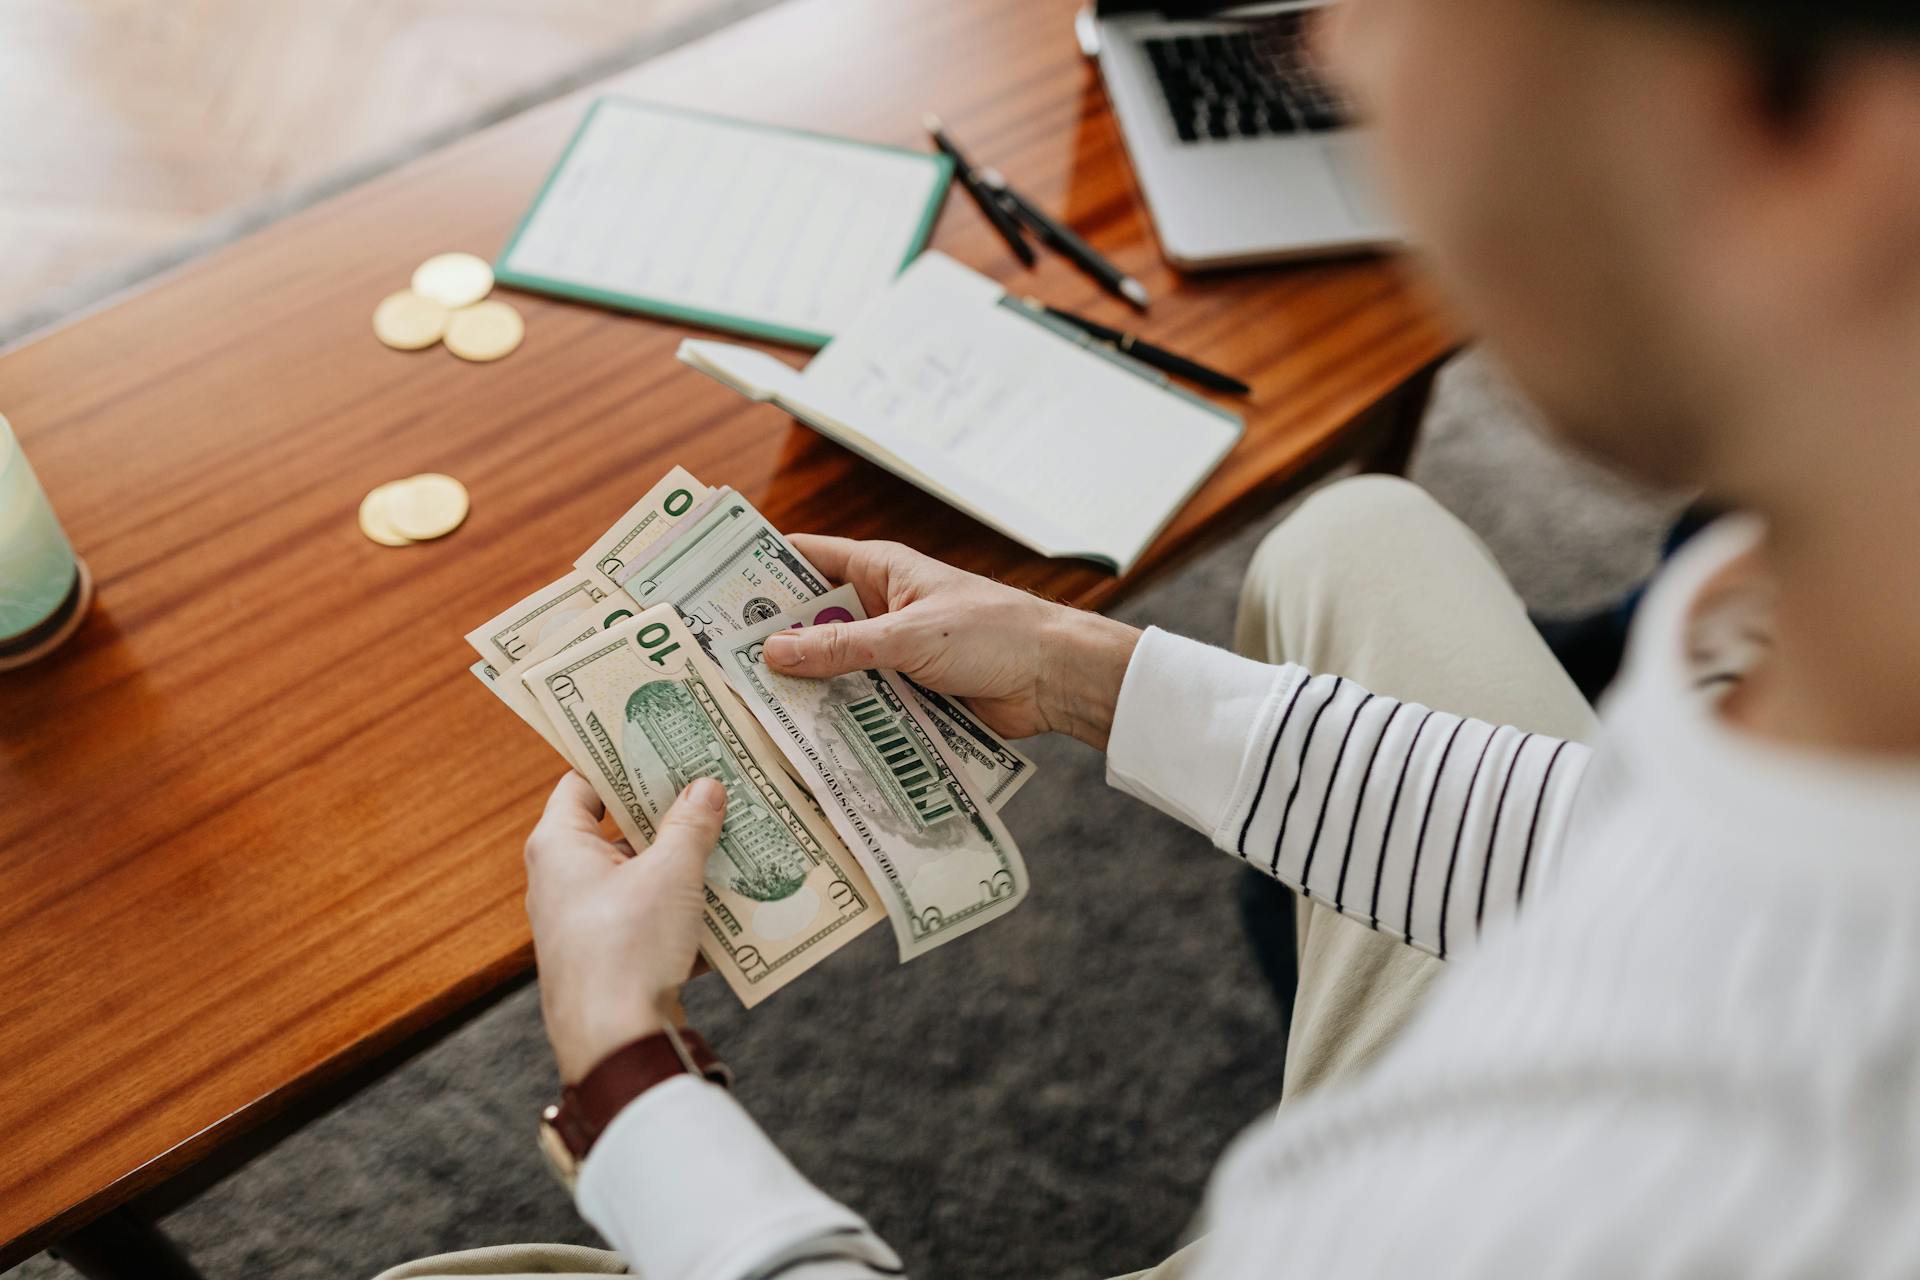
<point>846,797</point>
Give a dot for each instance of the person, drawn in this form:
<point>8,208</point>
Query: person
<point>1648,1007</point>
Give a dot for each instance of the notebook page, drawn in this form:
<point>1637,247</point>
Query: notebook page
<point>759,376</point>
<point>731,220</point>
<point>1108,455</point>
<point>748,370</point>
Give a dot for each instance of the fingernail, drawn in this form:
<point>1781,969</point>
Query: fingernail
<point>782,650</point>
<point>709,792</point>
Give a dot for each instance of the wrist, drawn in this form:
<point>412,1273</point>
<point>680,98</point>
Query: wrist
<point>586,1045</point>
<point>569,1130</point>
<point>1087,657</point>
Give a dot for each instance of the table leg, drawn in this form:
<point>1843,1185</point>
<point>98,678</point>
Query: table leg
<point>120,1245</point>
<point>1404,413</point>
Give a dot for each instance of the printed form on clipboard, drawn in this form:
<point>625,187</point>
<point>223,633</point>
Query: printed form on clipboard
<point>1016,418</point>
<point>750,228</point>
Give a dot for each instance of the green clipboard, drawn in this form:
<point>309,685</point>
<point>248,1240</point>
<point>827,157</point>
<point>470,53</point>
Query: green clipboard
<point>939,166</point>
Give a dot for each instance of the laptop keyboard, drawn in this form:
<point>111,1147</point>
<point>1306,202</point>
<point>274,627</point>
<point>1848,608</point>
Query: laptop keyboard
<point>1255,83</point>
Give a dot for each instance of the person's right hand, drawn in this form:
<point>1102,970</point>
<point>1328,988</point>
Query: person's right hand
<point>1025,665</point>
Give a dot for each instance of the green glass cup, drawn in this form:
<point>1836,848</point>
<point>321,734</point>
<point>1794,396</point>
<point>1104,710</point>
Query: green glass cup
<point>44,587</point>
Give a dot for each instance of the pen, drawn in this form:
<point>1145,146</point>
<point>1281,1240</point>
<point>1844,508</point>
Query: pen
<point>1059,236</point>
<point>1002,221</point>
<point>1149,354</point>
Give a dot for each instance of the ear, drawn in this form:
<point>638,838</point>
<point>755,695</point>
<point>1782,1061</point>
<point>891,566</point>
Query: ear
<point>1868,180</point>
<point>1821,185</point>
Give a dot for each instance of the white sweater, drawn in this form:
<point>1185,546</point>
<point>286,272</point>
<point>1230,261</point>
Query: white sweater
<point>1694,1051</point>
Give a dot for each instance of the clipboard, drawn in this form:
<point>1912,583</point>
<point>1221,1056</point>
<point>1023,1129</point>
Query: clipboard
<point>748,228</point>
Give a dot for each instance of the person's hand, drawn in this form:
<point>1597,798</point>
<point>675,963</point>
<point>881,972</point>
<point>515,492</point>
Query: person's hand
<point>1024,664</point>
<point>615,934</point>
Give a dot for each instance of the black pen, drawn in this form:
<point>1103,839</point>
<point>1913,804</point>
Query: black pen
<point>1148,354</point>
<point>1057,235</point>
<point>1002,221</point>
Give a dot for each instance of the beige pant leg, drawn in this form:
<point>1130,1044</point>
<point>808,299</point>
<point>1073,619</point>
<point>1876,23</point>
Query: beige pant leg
<point>1371,579</point>
<point>513,1262</point>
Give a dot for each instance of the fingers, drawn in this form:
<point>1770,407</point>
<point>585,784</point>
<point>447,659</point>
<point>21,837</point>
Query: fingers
<point>831,556</point>
<point>691,827</point>
<point>867,567</point>
<point>566,843</point>
<point>833,649</point>
<point>573,806</point>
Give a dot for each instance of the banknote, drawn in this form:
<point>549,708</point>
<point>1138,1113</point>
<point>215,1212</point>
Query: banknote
<point>583,626</point>
<point>506,639</point>
<point>643,712</point>
<point>562,630</point>
<point>675,532</point>
<point>577,605</point>
<point>996,770</point>
<point>559,614</point>
<point>673,497</point>
<point>518,701</point>
<point>930,843</point>
<point>729,569</point>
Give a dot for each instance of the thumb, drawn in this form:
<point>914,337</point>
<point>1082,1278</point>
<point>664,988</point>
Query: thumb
<point>830,650</point>
<point>691,827</point>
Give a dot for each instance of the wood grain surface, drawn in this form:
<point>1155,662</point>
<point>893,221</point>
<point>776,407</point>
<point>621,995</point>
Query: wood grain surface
<point>257,823</point>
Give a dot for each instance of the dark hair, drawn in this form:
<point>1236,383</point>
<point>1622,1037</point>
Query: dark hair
<point>1816,18</point>
<point>1794,39</point>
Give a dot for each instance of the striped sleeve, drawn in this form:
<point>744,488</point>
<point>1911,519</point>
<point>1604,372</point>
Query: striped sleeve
<point>1410,820</point>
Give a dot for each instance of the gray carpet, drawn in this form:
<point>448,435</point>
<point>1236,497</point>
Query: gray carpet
<point>1041,1099</point>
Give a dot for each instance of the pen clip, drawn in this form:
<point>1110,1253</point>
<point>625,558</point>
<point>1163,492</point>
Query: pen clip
<point>996,183</point>
<point>1115,349</point>
<point>1063,326</point>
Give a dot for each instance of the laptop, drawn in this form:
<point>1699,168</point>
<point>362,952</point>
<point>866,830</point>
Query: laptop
<point>1242,152</point>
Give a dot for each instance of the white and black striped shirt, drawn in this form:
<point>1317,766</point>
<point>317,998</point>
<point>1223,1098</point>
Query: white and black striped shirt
<point>1695,1051</point>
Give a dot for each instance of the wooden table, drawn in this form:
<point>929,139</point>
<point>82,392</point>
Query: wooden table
<point>259,829</point>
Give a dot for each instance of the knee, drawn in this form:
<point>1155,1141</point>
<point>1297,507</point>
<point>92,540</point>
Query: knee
<point>1357,510</point>
<point>1341,536</point>
<point>1335,521</point>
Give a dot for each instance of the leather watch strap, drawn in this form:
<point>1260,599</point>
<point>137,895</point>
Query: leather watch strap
<point>590,1105</point>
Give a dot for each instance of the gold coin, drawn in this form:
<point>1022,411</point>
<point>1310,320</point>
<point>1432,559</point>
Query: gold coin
<point>453,279</point>
<point>406,321</point>
<point>484,331</point>
<point>374,521</point>
<point>427,506</point>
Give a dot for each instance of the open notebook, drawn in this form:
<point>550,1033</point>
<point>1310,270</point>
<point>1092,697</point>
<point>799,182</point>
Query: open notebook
<point>1014,417</point>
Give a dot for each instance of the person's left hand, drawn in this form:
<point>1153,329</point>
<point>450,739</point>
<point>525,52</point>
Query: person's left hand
<point>615,933</point>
